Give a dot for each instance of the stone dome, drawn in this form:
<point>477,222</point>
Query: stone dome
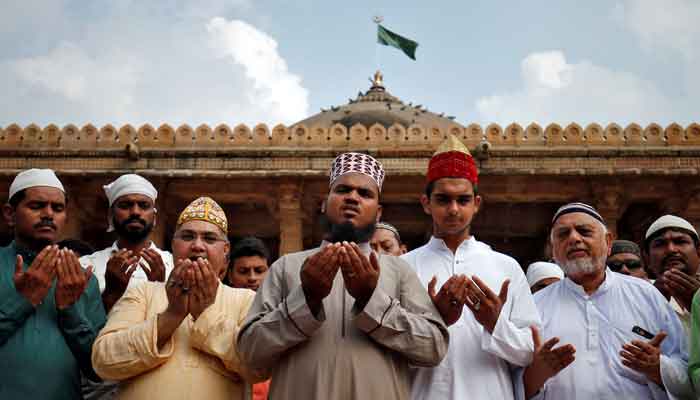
<point>377,105</point>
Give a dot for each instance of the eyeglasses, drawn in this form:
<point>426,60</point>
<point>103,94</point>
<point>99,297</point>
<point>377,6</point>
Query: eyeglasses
<point>190,236</point>
<point>631,264</point>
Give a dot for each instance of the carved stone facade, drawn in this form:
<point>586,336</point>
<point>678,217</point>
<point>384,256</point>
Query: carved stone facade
<point>272,182</point>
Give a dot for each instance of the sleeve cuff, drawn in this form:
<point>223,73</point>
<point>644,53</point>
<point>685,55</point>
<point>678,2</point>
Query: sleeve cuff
<point>372,316</point>
<point>169,346</point>
<point>300,314</point>
<point>15,306</point>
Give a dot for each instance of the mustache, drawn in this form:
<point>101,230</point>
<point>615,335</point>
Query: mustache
<point>134,219</point>
<point>45,223</point>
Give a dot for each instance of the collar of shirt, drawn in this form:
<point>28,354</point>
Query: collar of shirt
<point>364,247</point>
<point>115,247</point>
<point>578,290</point>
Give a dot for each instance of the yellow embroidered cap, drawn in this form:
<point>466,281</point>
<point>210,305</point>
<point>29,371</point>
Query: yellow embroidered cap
<point>204,209</point>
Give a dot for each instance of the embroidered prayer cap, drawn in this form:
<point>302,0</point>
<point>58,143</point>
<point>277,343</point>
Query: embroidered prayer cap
<point>389,227</point>
<point>204,209</point>
<point>542,270</point>
<point>129,184</point>
<point>452,160</point>
<point>625,246</point>
<point>360,163</point>
<point>35,178</point>
<point>670,221</point>
<point>577,207</point>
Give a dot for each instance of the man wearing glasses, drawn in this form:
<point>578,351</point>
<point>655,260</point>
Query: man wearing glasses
<point>175,340</point>
<point>626,258</point>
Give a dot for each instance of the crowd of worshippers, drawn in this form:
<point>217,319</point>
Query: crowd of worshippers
<point>357,317</point>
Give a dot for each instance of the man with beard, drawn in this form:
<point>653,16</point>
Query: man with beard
<point>341,321</point>
<point>672,249</point>
<point>175,340</point>
<point>133,258</point>
<point>50,308</point>
<point>494,333</point>
<point>623,339</point>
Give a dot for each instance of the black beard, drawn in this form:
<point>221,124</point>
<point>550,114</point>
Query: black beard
<point>346,231</point>
<point>134,237</point>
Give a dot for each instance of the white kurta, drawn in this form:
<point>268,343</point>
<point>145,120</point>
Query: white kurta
<point>478,364</point>
<point>99,260</point>
<point>598,325</point>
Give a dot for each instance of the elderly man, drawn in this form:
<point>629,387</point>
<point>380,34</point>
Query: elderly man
<point>175,340</point>
<point>133,258</point>
<point>672,250</point>
<point>386,240</point>
<point>626,258</point>
<point>541,274</point>
<point>494,332</point>
<point>623,339</point>
<point>341,321</point>
<point>50,308</point>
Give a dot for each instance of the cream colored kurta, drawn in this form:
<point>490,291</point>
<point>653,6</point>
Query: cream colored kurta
<point>346,353</point>
<point>200,360</point>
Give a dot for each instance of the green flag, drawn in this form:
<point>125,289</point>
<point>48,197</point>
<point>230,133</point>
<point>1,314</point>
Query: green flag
<point>389,38</point>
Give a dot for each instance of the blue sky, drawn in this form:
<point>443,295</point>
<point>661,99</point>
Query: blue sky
<point>212,61</point>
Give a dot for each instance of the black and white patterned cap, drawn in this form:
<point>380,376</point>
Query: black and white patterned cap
<point>359,163</point>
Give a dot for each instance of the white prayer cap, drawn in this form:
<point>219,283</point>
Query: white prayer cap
<point>33,178</point>
<point>542,270</point>
<point>129,184</point>
<point>670,221</point>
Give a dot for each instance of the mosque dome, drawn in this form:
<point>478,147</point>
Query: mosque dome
<point>377,105</point>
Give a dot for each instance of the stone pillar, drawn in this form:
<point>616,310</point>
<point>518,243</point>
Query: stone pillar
<point>290,218</point>
<point>611,204</point>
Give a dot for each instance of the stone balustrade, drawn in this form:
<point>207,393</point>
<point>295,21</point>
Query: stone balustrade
<point>376,137</point>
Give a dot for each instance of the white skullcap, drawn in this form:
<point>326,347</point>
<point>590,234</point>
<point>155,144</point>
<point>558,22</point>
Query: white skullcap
<point>670,221</point>
<point>542,270</point>
<point>128,184</point>
<point>33,178</point>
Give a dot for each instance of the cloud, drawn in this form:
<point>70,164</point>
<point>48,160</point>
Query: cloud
<point>555,90</point>
<point>136,62</point>
<point>671,24</point>
<point>274,86</point>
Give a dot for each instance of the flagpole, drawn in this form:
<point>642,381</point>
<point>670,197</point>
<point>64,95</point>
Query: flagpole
<point>377,19</point>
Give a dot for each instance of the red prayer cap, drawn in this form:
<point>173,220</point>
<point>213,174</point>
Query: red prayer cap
<point>452,160</point>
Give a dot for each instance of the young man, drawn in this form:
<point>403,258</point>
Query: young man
<point>340,321</point>
<point>175,340</point>
<point>50,308</point>
<point>248,267</point>
<point>133,258</point>
<point>493,334</point>
<point>623,339</point>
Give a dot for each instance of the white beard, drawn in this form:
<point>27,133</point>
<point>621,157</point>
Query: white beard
<point>582,266</point>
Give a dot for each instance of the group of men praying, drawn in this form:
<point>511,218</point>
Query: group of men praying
<point>357,317</point>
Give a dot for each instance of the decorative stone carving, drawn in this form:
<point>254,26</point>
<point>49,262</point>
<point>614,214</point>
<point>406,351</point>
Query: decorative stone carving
<point>675,135</point>
<point>554,135</point>
<point>594,135</point>
<point>633,135</point>
<point>654,135</point>
<point>614,135</point>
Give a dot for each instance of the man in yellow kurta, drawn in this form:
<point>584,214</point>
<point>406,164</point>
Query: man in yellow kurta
<point>341,322</point>
<point>176,340</point>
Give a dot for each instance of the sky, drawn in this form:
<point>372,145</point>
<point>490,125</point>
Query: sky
<point>251,61</point>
